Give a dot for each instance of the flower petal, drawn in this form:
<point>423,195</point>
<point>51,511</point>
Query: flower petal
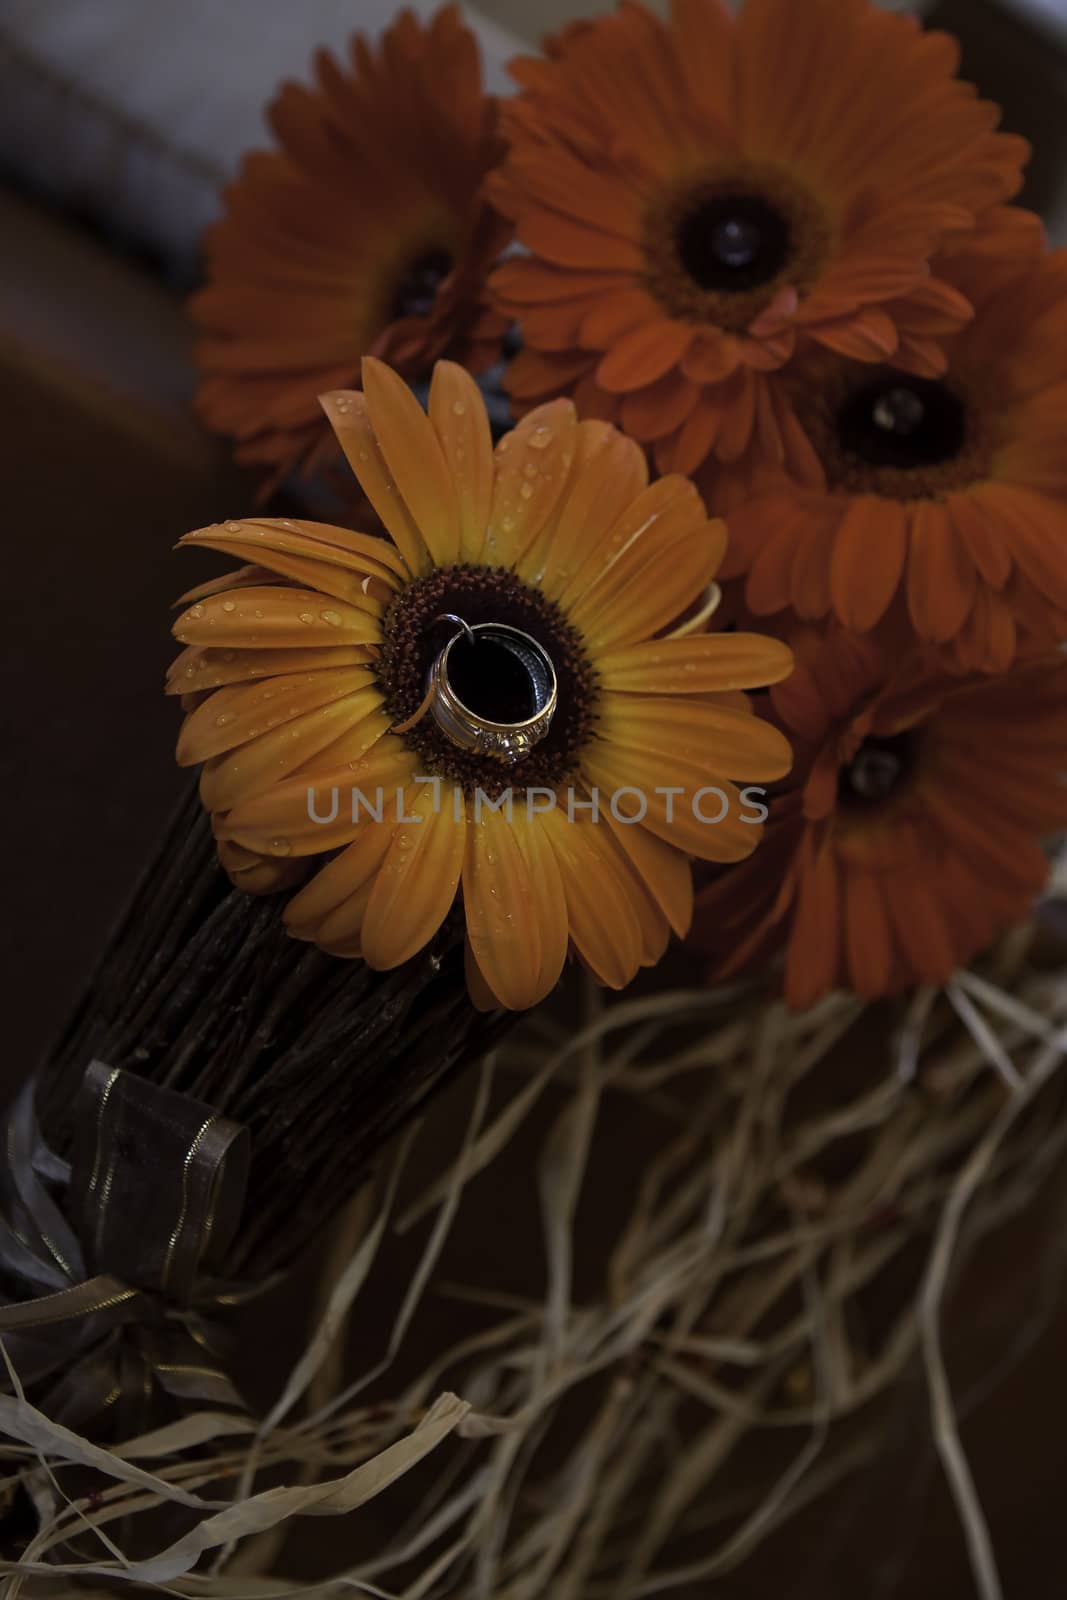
<point>414,458</point>
<point>550,903</point>
<point>307,815</point>
<point>416,884</point>
<point>695,814</point>
<point>458,414</point>
<point>340,879</point>
<point>941,575</point>
<point>501,907</point>
<point>722,742</point>
<point>643,355</point>
<point>199,668</point>
<point>276,616</point>
<point>350,420</point>
<point>650,586</point>
<point>664,872</point>
<point>533,464</point>
<point>608,474</point>
<point>601,909</point>
<point>868,561</point>
<point>362,553</point>
<point>233,716</point>
<point>232,778</point>
<point>703,665</point>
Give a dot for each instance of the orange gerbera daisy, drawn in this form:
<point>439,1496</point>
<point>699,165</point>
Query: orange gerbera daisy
<point>443,712</point>
<point>909,836</point>
<point>944,499</point>
<point>365,232</point>
<point>698,196</point>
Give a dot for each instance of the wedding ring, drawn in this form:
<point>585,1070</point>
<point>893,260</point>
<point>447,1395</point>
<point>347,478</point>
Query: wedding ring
<point>514,674</point>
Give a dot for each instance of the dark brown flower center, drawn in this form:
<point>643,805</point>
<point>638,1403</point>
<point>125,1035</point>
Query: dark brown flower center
<point>721,246</point>
<point>491,678</point>
<point>417,290</point>
<point>881,431</point>
<point>880,767</point>
<point>903,422</point>
<point>734,243</point>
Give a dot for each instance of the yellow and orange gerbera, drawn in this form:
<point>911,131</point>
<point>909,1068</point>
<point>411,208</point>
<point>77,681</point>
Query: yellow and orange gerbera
<point>910,835</point>
<point>938,504</point>
<point>307,675</point>
<point>364,232</point>
<point>700,199</point>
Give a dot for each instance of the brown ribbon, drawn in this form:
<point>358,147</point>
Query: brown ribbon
<point>105,1264</point>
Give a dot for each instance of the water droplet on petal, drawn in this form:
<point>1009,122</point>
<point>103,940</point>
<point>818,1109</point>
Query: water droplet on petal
<point>541,437</point>
<point>280,847</point>
<point>233,527</point>
<point>334,618</point>
<point>229,605</point>
<point>225,718</point>
<point>459,408</point>
<point>526,491</point>
<point>307,616</point>
<point>196,612</point>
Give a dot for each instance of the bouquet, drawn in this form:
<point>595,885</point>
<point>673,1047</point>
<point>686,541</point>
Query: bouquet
<point>690,431</point>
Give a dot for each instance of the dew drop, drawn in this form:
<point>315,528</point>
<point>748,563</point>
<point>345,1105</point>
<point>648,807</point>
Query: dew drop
<point>307,616</point>
<point>280,847</point>
<point>334,618</point>
<point>196,612</point>
<point>229,605</point>
<point>526,491</point>
<point>459,408</point>
<point>530,470</point>
<point>233,527</point>
<point>225,718</point>
<point>541,437</point>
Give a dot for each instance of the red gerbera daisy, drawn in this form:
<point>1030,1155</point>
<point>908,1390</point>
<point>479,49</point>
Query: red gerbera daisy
<point>698,198</point>
<point>909,836</point>
<point>943,501</point>
<point>364,233</point>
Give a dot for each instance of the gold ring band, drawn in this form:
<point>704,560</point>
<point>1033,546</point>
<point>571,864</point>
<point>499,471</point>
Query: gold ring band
<point>504,741</point>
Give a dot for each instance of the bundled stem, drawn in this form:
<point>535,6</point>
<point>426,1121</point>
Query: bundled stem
<point>202,990</point>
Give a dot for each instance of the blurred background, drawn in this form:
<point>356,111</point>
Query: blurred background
<point>120,120</point>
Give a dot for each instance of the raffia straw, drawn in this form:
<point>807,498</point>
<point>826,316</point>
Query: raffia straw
<point>583,1436</point>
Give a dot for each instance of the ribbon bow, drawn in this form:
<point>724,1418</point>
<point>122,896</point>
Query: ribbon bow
<point>104,1261</point>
